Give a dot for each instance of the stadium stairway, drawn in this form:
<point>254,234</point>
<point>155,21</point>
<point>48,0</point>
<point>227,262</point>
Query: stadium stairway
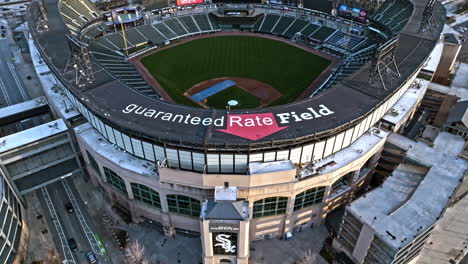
<point>323,33</point>
<point>309,30</point>
<point>352,63</point>
<point>175,26</point>
<point>151,33</point>
<point>295,27</point>
<point>202,21</point>
<point>283,23</point>
<point>165,30</point>
<point>269,22</point>
<point>127,73</point>
<point>344,40</point>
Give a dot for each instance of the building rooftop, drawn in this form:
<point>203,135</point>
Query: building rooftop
<point>459,113</point>
<point>50,85</point>
<point>413,198</point>
<point>15,109</point>
<point>451,38</point>
<point>369,140</point>
<point>448,241</point>
<point>225,193</point>
<point>459,85</point>
<point>406,102</point>
<point>225,210</point>
<point>31,135</point>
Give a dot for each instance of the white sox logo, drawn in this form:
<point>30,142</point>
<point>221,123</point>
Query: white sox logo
<point>225,243</point>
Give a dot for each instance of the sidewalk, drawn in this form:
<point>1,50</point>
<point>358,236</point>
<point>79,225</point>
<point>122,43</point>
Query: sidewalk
<point>95,207</point>
<point>276,251</point>
<point>166,250</point>
<point>40,239</point>
<point>159,249</point>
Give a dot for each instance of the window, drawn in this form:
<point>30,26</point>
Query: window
<point>115,180</point>
<point>270,206</point>
<point>309,197</point>
<point>145,194</point>
<point>343,183</point>
<point>93,163</point>
<point>183,205</point>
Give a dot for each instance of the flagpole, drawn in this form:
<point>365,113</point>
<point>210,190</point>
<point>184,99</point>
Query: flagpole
<point>123,33</point>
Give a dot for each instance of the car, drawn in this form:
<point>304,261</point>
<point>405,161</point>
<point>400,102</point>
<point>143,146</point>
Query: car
<point>91,257</point>
<point>72,244</point>
<point>69,207</point>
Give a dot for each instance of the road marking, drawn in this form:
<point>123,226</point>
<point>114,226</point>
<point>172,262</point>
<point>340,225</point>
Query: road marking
<point>93,239</point>
<point>58,227</point>
<point>17,80</point>
<point>5,93</point>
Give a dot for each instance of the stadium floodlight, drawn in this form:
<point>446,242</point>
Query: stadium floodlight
<point>231,103</point>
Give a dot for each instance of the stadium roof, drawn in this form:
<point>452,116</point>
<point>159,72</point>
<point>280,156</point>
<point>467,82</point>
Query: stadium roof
<point>332,111</point>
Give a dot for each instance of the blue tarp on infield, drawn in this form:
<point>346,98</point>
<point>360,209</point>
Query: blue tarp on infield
<point>213,90</point>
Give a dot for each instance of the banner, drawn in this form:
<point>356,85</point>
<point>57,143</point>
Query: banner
<point>189,2</point>
<point>223,227</point>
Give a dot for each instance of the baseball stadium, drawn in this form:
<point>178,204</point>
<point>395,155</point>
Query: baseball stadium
<point>283,106</point>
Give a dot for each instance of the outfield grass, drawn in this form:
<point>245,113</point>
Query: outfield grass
<point>287,68</point>
<point>245,99</point>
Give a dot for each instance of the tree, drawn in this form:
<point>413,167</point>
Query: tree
<point>308,258</point>
<point>135,253</point>
<point>52,258</point>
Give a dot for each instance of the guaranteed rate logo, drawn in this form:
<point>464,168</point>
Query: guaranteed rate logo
<point>249,126</point>
<point>252,126</point>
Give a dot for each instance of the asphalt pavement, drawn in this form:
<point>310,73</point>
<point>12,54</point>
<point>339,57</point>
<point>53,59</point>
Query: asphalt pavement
<point>12,88</point>
<point>65,225</point>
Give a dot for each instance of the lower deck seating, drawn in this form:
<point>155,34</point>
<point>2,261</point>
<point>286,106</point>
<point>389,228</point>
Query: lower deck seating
<point>161,27</point>
<point>151,34</point>
<point>269,22</point>
<point>344,40</point>
<point>311,28</point>
<point>297,26</point>
<point>189,24</point>
<point>202,22</point>
<point>175,26</point>
<point>134,37</point>
<point>282,25</point>
<point>323,33</point>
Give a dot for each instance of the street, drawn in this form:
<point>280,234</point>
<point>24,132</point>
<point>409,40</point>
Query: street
<point>12,88</point>
<point>65,225</point>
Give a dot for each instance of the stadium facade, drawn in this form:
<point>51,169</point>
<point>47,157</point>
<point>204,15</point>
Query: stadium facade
<point>298,162</point>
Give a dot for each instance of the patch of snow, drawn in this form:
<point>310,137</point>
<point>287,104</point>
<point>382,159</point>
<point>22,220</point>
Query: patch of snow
<point>266,167</point>
<point>22,107</point>
<point>407,101</point>
<point>113,153</point>
<point>51,86</point>
<point>31,135</point>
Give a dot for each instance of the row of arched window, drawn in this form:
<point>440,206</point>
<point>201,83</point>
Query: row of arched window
<point>186,205</point>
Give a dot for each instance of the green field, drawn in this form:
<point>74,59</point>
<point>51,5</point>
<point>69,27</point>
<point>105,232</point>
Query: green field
<point>287,68</point>
<point>245,99</point>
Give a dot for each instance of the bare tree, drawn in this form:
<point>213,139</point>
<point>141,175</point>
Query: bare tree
<point>117,222</point>
<point>52,257</point>
<point>135,253</point>
<point>308,258</point>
